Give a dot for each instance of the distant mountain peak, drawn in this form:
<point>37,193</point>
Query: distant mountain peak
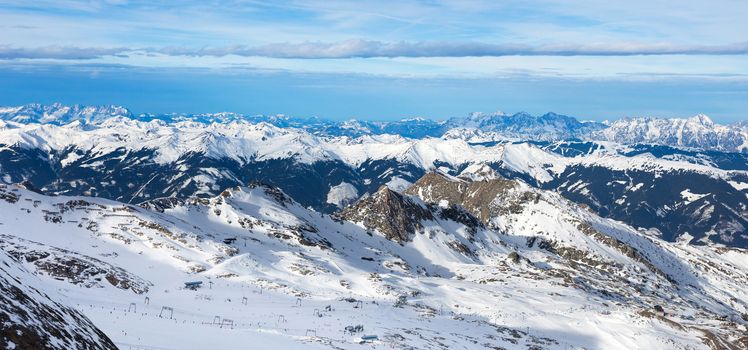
<point>57,113</point>
<point>698,131</point>
<point>702,119</point>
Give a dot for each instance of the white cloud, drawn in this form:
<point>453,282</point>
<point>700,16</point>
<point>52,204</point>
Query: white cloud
<point>403,38</point>
<point>369,48</point>
<point>630,67</point>
<point>58,52</point>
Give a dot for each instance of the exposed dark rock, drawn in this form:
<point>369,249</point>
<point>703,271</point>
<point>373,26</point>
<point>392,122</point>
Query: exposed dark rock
<point>457,213</point>
<point>30,319</point>
<point>396,216</point>
<point>7,195</point>
<point>475,196</point>
<point>75,268</point>
<point>161,204</point>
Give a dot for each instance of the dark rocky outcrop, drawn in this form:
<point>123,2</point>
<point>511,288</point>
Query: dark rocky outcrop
<point>395,216</point>
<point>475,196</point>
<point>31,319</point>
<point>69,266</point>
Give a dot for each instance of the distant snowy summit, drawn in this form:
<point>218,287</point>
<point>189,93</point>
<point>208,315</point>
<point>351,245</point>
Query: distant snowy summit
<point>524,126</point>
<point>695,132</point>
<point>59,114</point>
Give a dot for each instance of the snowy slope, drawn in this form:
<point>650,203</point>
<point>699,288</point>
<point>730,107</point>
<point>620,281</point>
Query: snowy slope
<point>294,277</point>
<point>33,316</point>
<point>542,164</point>
<point>644,189</point>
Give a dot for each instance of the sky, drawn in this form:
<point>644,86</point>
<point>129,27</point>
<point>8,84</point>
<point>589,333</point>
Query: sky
<point>381,60</point>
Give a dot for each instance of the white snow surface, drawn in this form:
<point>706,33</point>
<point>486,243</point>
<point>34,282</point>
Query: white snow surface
<point>288,264</point>
<point>398,184</point>
<point>342,194</point>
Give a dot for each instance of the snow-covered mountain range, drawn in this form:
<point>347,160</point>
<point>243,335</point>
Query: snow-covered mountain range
<point>696,132</point>
<point>674,190</point>
<point>61,114</point>
<point>490,231</point>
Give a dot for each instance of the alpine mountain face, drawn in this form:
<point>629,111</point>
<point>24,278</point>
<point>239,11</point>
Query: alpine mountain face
<point>492,231</point>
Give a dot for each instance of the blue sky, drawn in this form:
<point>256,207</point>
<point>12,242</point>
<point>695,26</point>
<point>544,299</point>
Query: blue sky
<point>381,59</point>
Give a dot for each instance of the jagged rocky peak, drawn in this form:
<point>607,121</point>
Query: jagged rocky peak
<point>550,126</point>
<point>394,215</point>
<point>475,196</point>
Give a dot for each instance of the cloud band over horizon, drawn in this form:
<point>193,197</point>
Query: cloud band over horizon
<point>359,48</point>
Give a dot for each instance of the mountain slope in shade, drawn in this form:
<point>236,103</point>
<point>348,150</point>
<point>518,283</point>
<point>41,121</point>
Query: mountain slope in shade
<point>675,195</point>
<point>32,317</point>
